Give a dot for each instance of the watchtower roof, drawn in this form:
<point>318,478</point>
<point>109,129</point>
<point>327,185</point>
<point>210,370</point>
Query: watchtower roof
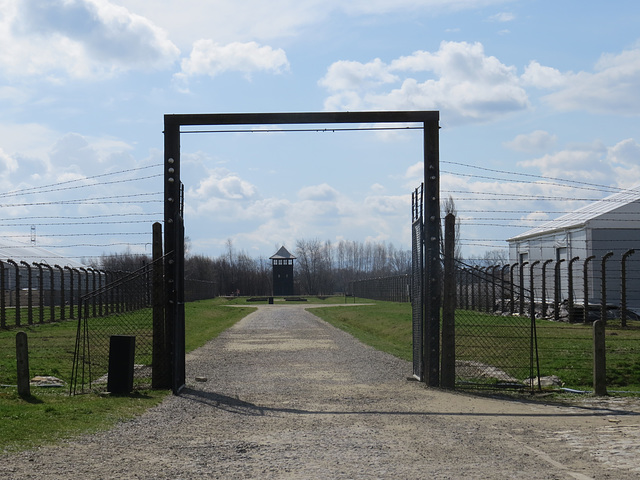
<point>282,254</point>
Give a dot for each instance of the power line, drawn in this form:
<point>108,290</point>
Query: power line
<point>34,189</point>
<point>543,177</point>
<point>288,130</point>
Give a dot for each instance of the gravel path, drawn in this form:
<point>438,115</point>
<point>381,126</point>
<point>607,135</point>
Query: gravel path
<point>290,397</point>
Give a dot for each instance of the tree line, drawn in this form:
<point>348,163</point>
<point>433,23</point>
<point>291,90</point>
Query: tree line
<point>320,268</point>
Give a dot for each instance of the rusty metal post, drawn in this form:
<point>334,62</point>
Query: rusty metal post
<point>623,287</point>
<point>603,272</point>
<point>585,273</point>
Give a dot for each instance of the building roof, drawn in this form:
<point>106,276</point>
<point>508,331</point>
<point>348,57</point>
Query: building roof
<point>282,254</point>
<point>22,252</point>
<point>627,201</point>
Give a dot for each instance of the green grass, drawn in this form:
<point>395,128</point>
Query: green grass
<point>386,326</point>
<point>564,349</point>
<point>51,414</point>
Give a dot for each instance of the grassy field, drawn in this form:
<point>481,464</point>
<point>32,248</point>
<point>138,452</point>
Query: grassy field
<point>565,350</point>
<point>50,414</point>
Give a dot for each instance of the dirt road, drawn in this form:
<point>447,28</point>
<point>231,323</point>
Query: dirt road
<point>289,397</point>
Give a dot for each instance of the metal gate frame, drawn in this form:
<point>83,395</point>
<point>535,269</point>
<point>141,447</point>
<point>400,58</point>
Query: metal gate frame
<point>174,220</point>
<point>417,276</point>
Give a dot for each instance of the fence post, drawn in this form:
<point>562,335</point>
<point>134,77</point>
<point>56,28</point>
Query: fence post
<point>532,307</point>
<point>603,279</point>
<point>62,299</point>
<point>556,291</point>
<point>544,287</point>
<point>40,293</point>
<point>3,309</point>
<point>599,358</point>
<point>522,290</point>
<point>52,292</point>
<point>487,303</point>
<point>161,374</point>
<point>623,288</point>
<point>502,271</point>
<point>22,361</point>
<point>585,274</point>
<point>71,292</point>
<point>17,285</point>
<point>448,362</point>
<point>570,287</point>
<point>512,298</point>
<point>29,294</point>
<point>494,280</point>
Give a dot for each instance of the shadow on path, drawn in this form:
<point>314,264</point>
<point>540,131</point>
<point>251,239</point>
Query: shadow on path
<point>241,407</point>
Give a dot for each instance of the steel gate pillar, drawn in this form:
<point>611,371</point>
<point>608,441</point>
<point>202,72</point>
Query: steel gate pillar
<point>433,277</point>
<point>174,247</point>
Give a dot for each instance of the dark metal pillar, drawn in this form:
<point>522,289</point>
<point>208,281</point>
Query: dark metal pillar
<point>174,248</point>
<point>432,252</point>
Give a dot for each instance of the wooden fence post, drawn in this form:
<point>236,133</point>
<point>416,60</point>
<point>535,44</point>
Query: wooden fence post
<point>599,359</point>
<point>22,360</point>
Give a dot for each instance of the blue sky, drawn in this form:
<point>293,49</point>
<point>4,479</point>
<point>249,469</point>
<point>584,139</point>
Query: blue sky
<point>527,91</point>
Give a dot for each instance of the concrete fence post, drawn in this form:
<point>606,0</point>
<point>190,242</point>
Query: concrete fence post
<point>603,272</point>
<point>585,273</point>
<point>623,287</point>
<point>599,359</point>
<point>22,362</point>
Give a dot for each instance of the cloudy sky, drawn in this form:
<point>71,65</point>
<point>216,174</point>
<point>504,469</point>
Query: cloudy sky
<point>539,104</point>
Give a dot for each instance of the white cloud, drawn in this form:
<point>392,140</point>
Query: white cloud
<point>540,76</point>
<point>503,17</point>
<point>459,79</point>
<point>79,38</point>
<point>537,141</point>
<point>349,75</point>
<point>580,163</point>
<point>318,193</point>
<point>262,21</point>
<point>210,58</point>
<point>612,88</point>
<point>221,184</point>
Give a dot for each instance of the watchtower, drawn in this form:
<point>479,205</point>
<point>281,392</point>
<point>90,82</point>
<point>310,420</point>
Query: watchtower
<point>282,263</point>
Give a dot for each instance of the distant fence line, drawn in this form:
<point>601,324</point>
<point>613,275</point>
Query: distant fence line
<point>557,289</point>
<point>42,293</point>
<point>394,288</point>
<point>574,291</point>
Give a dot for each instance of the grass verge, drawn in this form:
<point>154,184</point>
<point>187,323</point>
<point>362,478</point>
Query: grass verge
<point>51,414</point>
<point>565,350</point>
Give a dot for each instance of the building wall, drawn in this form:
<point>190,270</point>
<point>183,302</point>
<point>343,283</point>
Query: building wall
<point>582,242</point>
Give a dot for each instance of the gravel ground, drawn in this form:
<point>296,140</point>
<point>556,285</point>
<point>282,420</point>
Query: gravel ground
<point>288,396</point>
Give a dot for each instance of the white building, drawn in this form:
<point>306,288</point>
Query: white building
<point>608,225</point>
